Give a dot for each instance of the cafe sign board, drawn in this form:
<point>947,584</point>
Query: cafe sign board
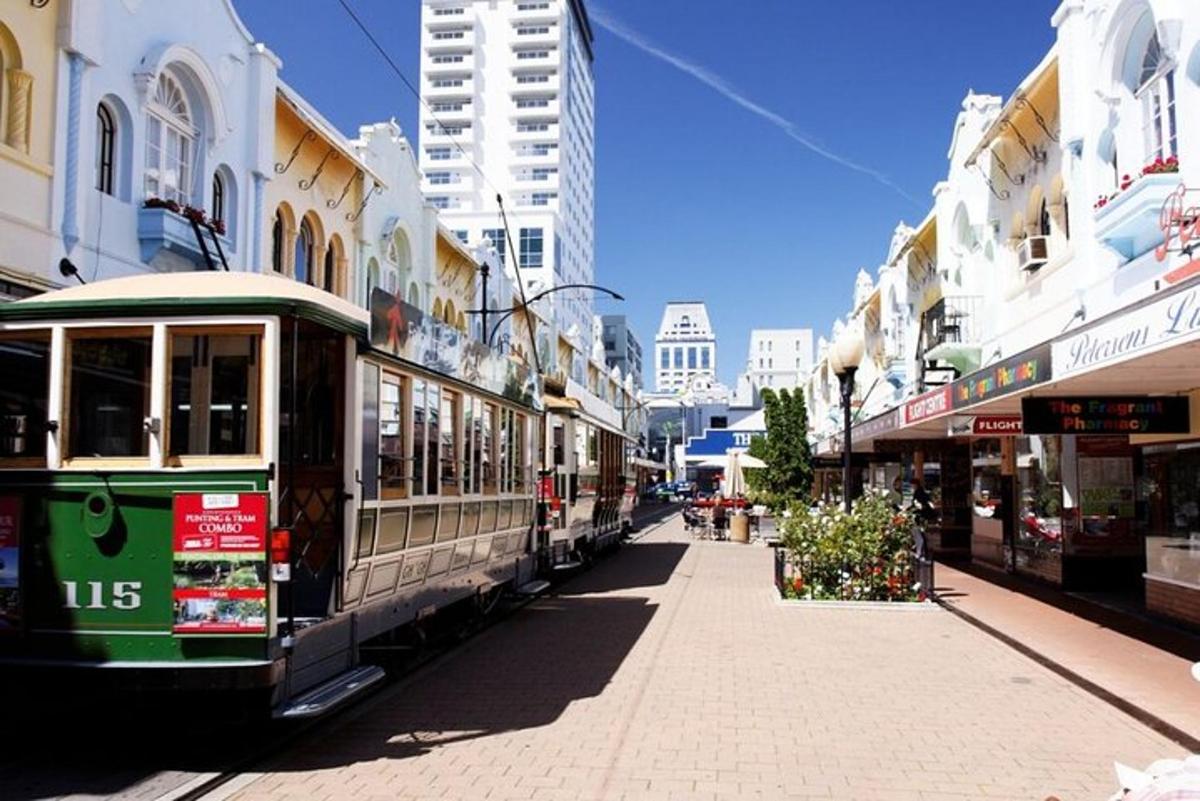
<point>1019,372</point>
<point>1172,320</point>
<point>1136,415</point>
<point>931,404</point>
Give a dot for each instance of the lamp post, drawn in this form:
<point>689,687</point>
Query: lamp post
<point>844,357</point>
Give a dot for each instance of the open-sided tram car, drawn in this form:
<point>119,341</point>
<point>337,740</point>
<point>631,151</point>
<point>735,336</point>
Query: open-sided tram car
<point>585,501</point>
<point>230,481</point>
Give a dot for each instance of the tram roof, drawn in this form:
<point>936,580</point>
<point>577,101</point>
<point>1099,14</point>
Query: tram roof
<point>169,294</point>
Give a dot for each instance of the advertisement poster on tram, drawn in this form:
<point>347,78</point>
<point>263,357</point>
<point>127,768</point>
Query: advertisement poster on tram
<point>10,563</point>
<point>220,563</point>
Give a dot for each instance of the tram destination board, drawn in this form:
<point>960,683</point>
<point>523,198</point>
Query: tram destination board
<point>220,563</point>
<point>1125,415</point>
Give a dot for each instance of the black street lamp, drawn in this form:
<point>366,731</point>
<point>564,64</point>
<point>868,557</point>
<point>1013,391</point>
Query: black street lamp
<point>510,312</point>
<point>844,357</point>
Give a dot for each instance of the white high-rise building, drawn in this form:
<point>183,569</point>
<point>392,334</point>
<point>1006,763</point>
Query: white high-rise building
<point>684,347</point>
<point>508,92</point>
<point>780,358</point>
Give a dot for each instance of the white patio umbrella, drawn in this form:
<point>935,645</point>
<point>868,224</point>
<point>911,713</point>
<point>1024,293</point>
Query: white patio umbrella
<point>735,479</point>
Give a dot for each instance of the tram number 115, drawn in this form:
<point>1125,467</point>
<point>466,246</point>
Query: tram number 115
<point>122,595</point>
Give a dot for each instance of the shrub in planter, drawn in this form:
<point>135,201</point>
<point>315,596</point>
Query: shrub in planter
<point>866,555</point>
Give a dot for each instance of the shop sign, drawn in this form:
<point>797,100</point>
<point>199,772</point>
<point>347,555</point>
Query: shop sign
<point>719,441</point>
<point>1144,415</point>
<point>931,404</point>
<point>1173,319</point>
<point>876,426</point>
<point>220,563</point>
<point>986,425</point>
<point>10,563</point>
<point>997,380</point>
<point>408,333</point>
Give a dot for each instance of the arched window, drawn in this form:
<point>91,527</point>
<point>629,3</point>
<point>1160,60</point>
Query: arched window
<point>330,269</point>
<point>170,139</point>
<point>277,242</point>
<point>414,295</point>
<point>217,213</point>
<point>106,149</point>
<point>303,270</point>
<point>1156,88</point>
<point>1066,217</point>
<point>1044,219</point>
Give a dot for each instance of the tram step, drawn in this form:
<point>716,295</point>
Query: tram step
<point>569,565</point>
<point>334,692</point>
<point>533,588</point>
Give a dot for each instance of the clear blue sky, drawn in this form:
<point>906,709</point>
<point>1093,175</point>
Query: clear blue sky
<point>697,196</point>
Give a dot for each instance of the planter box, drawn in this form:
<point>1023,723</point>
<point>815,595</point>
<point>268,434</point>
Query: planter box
<point>1129,222</point>
<point>162,229</point>
<point>907,606</point>
<point>1174,600</point>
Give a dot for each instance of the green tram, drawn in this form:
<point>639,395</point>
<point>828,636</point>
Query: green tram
<point>230,481</point>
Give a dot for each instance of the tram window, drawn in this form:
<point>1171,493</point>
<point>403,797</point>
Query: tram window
<point>560,443</point>
<point>525,480</point>
<point>366,533</point>
<point>470,520</point>
<point>370,433</point>
<point>317,393</point>
<point>448,524</point>
<point>433,411</point>
<point>418,444</point>
<point>467,437</point>
<point>477,446</point>
<point>23,398</point>
<point>487,452</point>
<point>109,394</point>
<point>214,393</point>
<point>393,530</point>
<point>449,436</point>
<point>424,525</point>
<point>505,450</point>
<point>487,518</point>
<point>392,457</point>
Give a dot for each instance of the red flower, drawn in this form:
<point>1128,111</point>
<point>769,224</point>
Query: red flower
<point>798,584</point>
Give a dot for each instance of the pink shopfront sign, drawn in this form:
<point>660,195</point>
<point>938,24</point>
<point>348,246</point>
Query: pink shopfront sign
<point>926,407</point>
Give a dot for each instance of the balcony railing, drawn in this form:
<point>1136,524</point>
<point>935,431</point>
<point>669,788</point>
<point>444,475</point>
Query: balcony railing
<point>951,332</point>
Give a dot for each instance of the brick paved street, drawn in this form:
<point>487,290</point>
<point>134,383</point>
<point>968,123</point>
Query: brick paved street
<point>670,671</point>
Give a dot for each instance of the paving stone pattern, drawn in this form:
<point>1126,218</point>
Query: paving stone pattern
<point>671,672</point>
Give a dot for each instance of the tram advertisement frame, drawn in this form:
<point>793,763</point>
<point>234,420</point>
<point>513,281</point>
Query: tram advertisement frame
<point>10,564</point>
<point>220,563</point>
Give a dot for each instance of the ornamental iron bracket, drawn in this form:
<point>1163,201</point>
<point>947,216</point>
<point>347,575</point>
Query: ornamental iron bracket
<point>1022,101</point>
<point>1015,181</point>
<point>376,190</point>
<point>1035,155</point>
<point>333,204</point>
<point>999,194</point>
<point>39,3</point>
<point>308,183</point>
<point>280,167</point>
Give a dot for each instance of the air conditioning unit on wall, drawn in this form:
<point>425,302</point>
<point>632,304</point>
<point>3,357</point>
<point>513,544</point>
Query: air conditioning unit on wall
<point>1032,253</point>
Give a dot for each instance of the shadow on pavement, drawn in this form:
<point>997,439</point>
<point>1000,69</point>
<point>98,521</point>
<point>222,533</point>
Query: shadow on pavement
<point>1142,627</point>
<point>522,674</point>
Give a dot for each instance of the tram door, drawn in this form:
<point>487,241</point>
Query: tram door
<point>311,488</point>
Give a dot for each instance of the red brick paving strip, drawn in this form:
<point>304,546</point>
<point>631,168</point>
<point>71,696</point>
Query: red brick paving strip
<point>672,672</point>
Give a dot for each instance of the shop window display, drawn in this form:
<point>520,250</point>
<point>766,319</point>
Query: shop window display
<point>1040,498</point>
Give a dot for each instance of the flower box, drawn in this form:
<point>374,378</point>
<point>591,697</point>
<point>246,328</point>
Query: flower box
<point>1129,222</point>
<point>160,228</point>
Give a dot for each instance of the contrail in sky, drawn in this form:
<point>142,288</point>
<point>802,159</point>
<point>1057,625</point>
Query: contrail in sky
<point>716,82</point>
